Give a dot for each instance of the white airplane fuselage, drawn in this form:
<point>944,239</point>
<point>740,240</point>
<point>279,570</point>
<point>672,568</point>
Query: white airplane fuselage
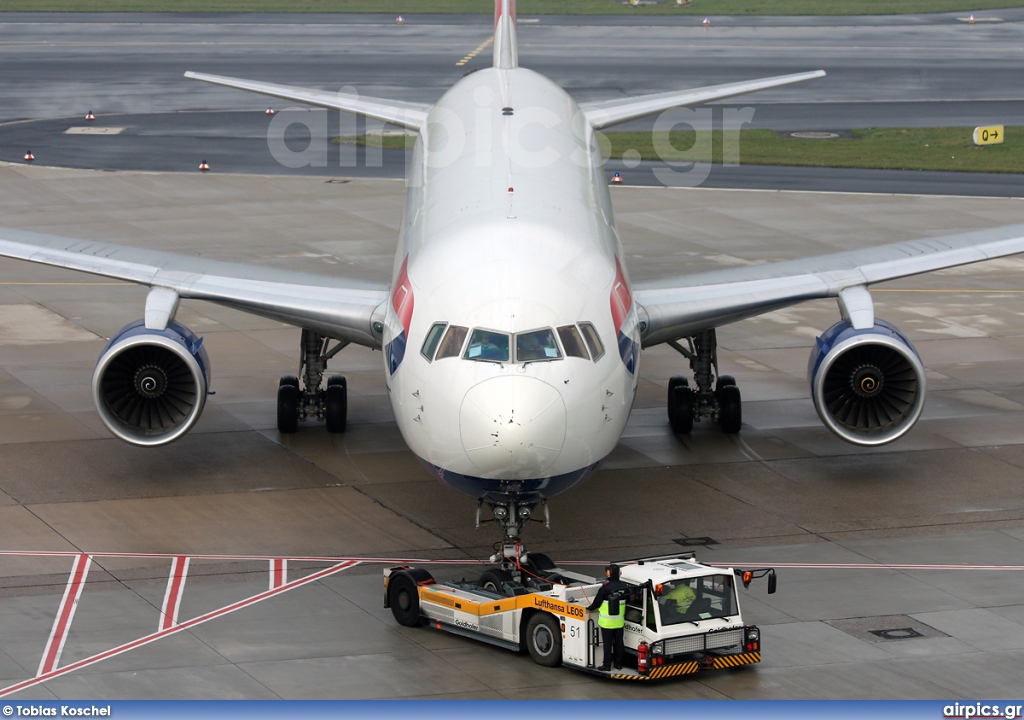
<point>508,228</point>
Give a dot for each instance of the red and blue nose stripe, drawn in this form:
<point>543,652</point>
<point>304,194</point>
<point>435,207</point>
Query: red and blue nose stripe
<point>622,301</point>
<point>402,302</point>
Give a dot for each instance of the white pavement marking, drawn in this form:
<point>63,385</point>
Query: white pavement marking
<point>90,130</point>
<point>65,613</point>
<point>172,597</point>
<point>176,628</point>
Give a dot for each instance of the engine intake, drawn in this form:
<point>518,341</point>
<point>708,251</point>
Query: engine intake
<point>868,386</point>
<point>150,385</point>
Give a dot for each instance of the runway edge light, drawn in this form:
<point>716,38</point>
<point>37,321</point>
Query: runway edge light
<point>988,135</point>
<point>90,116</point>
<point>29,157</point>
<point>204,166</point>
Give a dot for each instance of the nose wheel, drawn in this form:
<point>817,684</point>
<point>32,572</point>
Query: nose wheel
<point>302,399</point>
<point>715,400</point>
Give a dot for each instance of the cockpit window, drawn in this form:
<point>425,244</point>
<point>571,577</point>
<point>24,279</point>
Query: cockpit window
<point>451,345</point>
<point>536,345</point>
<point>433,338</point>
<point>572,341</point>
<point>593,341</point>
<point>488,346</point>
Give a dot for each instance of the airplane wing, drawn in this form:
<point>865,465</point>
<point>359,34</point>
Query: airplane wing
<point>674,308</point>
<point>404,114</point>
<point>336,307</point>
<point>606,113</point>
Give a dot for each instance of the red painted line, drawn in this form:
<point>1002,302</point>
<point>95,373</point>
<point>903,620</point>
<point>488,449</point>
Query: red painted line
<point>323,559</point>
<point>65,613</point>
<point>871,566</point>
<point>278,572</point>
<point>172,597</point>
<point>177,628</point>
<point>422,561</point>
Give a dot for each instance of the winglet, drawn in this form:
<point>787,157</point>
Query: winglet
<point>506,52</point>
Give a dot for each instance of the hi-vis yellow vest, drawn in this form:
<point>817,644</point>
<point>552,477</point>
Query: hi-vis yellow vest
<point>607,620</point>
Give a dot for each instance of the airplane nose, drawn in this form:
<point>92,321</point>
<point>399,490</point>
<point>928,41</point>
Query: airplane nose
<point>513,426</point>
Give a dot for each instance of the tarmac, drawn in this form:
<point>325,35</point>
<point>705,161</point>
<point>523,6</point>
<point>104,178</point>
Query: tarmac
<point>97,601</point>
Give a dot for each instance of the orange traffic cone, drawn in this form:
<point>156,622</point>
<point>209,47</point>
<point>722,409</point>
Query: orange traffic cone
<point>617,179</point>
<point>270,111</point>
<point>204,166</point>
<point>90,116</point>
<point>707,22</point>
<point>29,157</point>
<point>971,19</point>
<point>399,19</point>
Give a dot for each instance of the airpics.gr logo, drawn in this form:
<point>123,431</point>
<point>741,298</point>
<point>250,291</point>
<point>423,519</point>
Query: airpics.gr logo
<point>981,710</point>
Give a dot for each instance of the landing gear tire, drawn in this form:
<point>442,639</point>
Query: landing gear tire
<point>287,406</point>
<point>404,601</point>
<point>680,409</point>
<point>337,404</point>
<point>674,382</point>
<point>730,409</point>
<point>539,563</point>
<point>494,581</point>
<point>724,381</point>
<point>289,380</point>
<point>544,640</point>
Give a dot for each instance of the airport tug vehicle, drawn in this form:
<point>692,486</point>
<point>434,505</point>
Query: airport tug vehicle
<point>681,616</point>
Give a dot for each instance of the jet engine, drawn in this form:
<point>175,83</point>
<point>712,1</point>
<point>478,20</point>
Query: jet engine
<point>150,385</point>
<point>868,385</point>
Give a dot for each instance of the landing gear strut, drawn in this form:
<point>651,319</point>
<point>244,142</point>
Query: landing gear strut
<point>302,400</point>
<point>717,400</point>
<point>510,554</point>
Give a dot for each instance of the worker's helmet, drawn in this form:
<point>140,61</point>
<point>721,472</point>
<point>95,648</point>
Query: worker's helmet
<point>612,572</point>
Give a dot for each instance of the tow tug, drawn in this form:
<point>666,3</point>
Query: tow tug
<point>529,604</point>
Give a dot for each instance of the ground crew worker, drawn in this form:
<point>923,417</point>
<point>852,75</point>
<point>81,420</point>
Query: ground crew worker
<point>611,601</point>
<point>682,595</point>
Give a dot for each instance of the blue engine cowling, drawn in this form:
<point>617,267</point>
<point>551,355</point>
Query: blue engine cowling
<point>150,385</point>
<point>868,386</point>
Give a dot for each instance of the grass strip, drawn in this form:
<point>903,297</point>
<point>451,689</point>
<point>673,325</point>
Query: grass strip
<point>943,149</point>
<point>525,7</point>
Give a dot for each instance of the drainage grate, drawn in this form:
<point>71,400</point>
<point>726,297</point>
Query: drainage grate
<point>695,541</point>
<point>905,633</point>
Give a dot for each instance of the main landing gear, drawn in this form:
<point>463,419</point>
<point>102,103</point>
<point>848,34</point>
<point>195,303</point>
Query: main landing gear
<point>717,400</point>
<point>297,401</point>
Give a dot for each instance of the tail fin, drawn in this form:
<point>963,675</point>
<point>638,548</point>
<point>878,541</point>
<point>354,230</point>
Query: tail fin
<point>506,51</point>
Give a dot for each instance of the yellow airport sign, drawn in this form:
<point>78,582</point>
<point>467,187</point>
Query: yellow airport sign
<point>990,135</point>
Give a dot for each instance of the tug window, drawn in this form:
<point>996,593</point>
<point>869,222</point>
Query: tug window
<point>593,341</point>
<point>488,346</point>
<point>536,345</point>
<point>572,341</point>
<point>433,338</point>
<point>451,346</point>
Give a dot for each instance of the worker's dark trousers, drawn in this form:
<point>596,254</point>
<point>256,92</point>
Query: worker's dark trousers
<point>612,639</point>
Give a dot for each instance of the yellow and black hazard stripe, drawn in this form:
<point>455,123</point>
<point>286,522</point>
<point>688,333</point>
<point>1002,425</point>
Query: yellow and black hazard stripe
<point>661,672</point>
<point>731,661</point>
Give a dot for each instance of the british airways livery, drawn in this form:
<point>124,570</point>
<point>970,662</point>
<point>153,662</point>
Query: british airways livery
<point>511,335</point>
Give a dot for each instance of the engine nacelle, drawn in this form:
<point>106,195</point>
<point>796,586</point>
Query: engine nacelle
<point>868,386</point>
<point>150,385</point>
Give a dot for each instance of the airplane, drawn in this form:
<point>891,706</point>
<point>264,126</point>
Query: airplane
<point>511,335</point>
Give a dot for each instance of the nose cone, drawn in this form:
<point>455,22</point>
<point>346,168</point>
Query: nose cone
<point>513,426</point>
